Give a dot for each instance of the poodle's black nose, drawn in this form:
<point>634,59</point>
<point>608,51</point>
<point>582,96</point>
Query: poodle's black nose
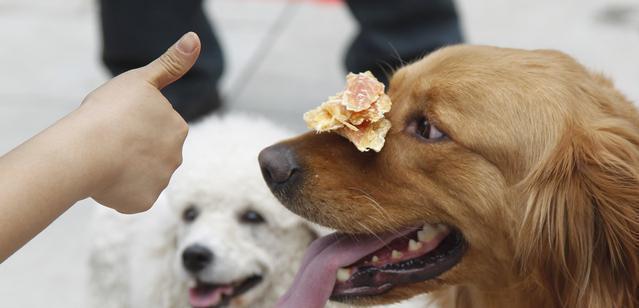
<point>196,257</point>
<point>278,164</point>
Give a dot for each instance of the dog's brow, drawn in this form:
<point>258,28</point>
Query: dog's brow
<point>397,78</point>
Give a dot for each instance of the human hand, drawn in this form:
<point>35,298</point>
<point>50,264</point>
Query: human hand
<point>136,136</point>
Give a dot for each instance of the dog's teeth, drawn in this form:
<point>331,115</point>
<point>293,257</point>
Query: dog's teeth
<point>427,234</point>
<point>191,284</point>
<point>396,254</point>
<point>442,228</point>
<point>413,245</point>
<point>375,259</point>
<point>343,274</point>
<point>428,227</point>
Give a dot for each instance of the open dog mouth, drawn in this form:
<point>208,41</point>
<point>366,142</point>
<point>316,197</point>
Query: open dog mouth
<point>347,267</point>
<point>420,255</point>
<point>211,295</point>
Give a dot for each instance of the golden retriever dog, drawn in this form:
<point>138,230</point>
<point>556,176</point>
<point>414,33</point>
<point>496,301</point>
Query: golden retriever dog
<point>510,178</point>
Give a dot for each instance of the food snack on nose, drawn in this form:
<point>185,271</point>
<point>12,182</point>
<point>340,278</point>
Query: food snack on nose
<point>357,113</point>
<point>368,136</point>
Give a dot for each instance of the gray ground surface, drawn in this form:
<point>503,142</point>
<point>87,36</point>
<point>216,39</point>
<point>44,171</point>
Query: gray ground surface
<point>49,61</point>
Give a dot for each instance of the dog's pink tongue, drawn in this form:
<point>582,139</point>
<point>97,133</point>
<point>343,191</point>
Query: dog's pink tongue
<point>206,298</point>
<point>315,279</point>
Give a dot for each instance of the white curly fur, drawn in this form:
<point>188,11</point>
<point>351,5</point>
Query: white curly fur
<point>135,260</point>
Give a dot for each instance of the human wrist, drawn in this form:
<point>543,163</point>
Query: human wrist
<point>88,150</point>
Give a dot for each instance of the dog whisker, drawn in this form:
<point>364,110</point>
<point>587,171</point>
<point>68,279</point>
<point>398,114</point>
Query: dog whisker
<point>384,214</point>
<point>399,57</point>
<point>370,231</point>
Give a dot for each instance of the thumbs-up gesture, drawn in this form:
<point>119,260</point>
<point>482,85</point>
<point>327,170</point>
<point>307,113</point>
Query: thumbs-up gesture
<point>136,135</point>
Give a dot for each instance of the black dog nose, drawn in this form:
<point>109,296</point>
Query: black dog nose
<point>277,163</point>
<point>195,258</point>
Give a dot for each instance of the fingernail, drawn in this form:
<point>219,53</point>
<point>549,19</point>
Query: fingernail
<point>187,43</point>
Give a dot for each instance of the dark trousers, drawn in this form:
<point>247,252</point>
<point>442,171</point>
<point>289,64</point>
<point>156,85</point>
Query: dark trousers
<point>391,30</point>
<point>137,31</point>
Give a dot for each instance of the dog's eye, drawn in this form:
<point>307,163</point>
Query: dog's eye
<point>425,130</point>
<point>251,217</point>
<point>190,213</point>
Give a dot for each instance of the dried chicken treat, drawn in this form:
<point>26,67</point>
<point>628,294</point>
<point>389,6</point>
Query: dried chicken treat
<point>357,113</point>
<point>362,90</point>
<point>369,135</point>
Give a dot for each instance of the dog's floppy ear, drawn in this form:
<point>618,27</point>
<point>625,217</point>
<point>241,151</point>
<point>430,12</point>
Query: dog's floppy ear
<point>580,233</point>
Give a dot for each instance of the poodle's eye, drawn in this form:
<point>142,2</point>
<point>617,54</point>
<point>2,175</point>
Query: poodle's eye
<point>190,213</point>
<point>251,217</point>
<point>423,129</point>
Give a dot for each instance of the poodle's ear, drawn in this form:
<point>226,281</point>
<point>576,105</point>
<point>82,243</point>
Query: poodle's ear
<point>580,233</point>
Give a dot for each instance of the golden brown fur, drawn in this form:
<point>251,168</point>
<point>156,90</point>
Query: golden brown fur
<point>540,174</point>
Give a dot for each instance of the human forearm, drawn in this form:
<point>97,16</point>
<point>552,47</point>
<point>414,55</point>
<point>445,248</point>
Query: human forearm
<point>41,179</point>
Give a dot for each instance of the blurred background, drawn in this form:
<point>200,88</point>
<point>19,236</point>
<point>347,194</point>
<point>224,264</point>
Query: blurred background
<point>281,59</point>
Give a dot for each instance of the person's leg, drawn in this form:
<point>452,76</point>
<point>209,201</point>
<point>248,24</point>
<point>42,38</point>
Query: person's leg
<point>390,29</point>
<point>135,32</point>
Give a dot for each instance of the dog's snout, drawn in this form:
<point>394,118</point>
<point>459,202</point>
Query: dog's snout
<point>196,257</point>
<point>278,164</point>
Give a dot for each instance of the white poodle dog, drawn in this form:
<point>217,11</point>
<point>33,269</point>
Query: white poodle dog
<point>216,237</point>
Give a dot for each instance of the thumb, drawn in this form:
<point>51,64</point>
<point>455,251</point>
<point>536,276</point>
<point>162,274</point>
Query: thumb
<point>175,62</point>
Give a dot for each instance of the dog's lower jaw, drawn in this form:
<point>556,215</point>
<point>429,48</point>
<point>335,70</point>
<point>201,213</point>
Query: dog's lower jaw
<point>509,291</point>
<point>502,289</point>
<point>471,296</point>
<point>402,293</point>
<point>265,299</point>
